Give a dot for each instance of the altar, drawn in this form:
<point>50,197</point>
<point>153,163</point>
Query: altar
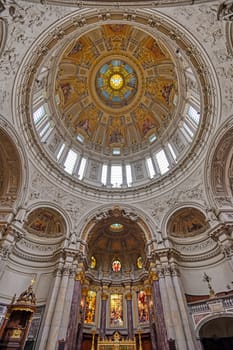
<point>116,343</point>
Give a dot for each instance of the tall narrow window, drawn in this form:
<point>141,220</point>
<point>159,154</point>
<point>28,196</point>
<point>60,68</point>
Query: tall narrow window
<point>116,175</point>
<point>82,168</point>
<point>150,167</point>
<point>39,114</point>
<point>70,161</point>
<point>143,314</point>
<point>60,151</point>
<point>116,310</point>
<point>104,174</point>
<point>90,307</point>
<point>194,115</point>
<point>128,174</point>
<point>172,151</point>
<point>162,161</point>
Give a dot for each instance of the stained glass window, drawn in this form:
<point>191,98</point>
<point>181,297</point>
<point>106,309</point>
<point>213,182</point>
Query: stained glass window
<point>143,314</point>
<point>116,310</point>
<point>139,262</point>
<point>116,265</point>
<point>93,262</point>
<point>90,307</point>
<point>116,227</point>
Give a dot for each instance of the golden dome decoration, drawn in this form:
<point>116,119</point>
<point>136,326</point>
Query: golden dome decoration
<point>115,87</point>
<point>116,83</point>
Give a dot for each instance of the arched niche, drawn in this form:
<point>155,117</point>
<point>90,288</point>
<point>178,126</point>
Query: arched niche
<point>10,171</point>
<point>187,222</point>
<point>116,234</point>
<point>45,222</point>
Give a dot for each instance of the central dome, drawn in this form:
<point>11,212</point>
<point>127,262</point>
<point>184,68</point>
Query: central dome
<point>115,87</point>
<point>121,105</point>
<point>116,83</point>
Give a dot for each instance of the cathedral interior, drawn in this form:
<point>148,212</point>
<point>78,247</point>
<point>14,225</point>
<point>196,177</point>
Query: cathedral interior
<point>116,175</point>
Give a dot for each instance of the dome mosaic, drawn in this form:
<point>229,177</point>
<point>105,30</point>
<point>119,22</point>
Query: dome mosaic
<point>116,86</point>
<point>116,83</point>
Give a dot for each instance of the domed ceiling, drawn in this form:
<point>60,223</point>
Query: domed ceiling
<point>115,87</point>
<point>116,236</point>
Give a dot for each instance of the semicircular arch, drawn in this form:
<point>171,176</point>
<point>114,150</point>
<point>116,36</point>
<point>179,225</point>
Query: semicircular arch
<point>14,169</point>
<point>175,210</point>
<point>134,214</point>
<point>219,167</point>
<point>209,318</point>
<point>44,216</point>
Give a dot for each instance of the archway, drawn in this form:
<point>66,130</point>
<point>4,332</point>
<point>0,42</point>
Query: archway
<point>217,334</point>
<point>115,295</point>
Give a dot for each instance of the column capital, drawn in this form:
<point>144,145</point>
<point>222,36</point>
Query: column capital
<point>80,276</point>
<point>128,296</point>
<point>153,276</point>
<point>148,290</point>
<point>104,296</point>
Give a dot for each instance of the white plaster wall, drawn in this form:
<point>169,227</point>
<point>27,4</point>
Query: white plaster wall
<point>221,274</point>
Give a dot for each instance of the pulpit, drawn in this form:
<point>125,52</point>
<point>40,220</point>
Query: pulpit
<point>15,327</point>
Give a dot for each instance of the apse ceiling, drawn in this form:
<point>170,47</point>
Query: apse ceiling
<point>115,87</point>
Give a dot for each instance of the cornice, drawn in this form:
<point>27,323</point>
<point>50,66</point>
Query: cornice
<point>122,3</point>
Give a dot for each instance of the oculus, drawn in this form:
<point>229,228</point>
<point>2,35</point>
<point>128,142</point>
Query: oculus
<point>116,227</point>
<point>116,83</point>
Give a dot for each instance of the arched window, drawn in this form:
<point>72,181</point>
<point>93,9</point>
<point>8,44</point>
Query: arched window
<point>116,265</point>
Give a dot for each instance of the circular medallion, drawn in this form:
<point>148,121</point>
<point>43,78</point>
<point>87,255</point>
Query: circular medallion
<point>116,83</point>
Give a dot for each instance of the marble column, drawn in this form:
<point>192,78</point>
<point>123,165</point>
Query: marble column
<point>82,318</point>
<point>58,311</point>
<point>104,298</point>
<point>49,310</point>
<point>151,318</point>
<point>71,335</point>
<point>166,307</point>
<point>175,312</point>
<point>190,336</point>
<point>162,340</point>
<point>67,306</point>
<point>128,298</point>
